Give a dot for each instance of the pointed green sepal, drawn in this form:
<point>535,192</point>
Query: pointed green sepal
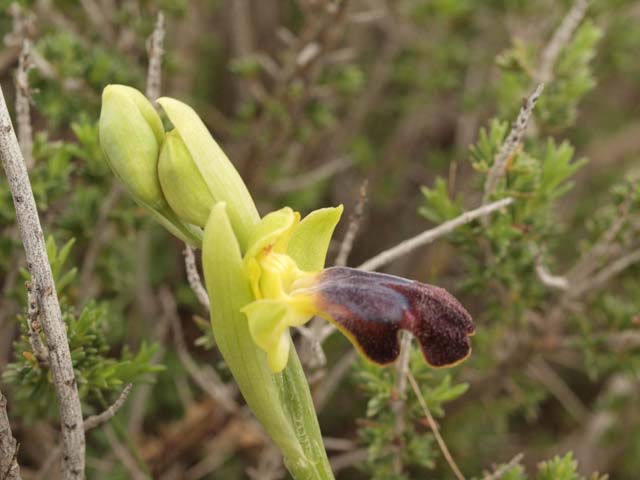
<point>309,241</point>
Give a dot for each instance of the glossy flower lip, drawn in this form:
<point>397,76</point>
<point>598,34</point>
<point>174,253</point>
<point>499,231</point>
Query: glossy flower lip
<point>371,308</point>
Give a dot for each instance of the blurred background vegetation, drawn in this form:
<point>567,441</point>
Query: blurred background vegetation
<point>310,99</point>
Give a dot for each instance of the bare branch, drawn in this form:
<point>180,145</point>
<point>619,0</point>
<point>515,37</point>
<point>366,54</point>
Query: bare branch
<point>502,470</point>
<point>23,107</point>
<point>560,39</point>
<point>540,370</point>
<point>354,225</point>
<point>97,420</point>
<point>511,143</point>
<point>156,51</point>
<point>305,180</point>
<point>434,427</point>
<point>399,401</point>
<point>428,236</point>
<point>9,468</point>
<point>332,380</point>
<point>35,328</point>
<point>40,270</point>
<point>606,273</point>
<point>193,277</point>
<point>557,282</point>
<point>207,380</point>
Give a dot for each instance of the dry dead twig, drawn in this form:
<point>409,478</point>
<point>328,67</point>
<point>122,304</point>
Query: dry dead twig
<point>38,266</point>
<point>9,468</point>
<point>434,428</point>
<point>511,143</point>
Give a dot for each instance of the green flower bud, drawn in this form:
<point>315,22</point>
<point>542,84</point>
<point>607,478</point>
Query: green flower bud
<point>182,184</point>
<point>130,135</point>
<point>222,179</point>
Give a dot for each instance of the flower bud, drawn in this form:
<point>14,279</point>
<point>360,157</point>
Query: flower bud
<point>223,180</point>
<point>182,184</point>
<point>130,135</point>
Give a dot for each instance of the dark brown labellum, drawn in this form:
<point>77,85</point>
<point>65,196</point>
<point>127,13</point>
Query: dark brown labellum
<point>370,308</point>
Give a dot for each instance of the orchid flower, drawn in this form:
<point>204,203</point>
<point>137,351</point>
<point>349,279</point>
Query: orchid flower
<point>266,275</point>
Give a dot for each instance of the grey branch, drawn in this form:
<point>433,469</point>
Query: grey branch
<point>38,266</point>
<point>23,107</point>
<point>434,428</point>
<point>97,420</point>
<point>504,469</point>
<point>306,180</point>
<point>399,401</point>
<point>548,279</point>
<point>89,424</point>
<point>354,225</point>
<point>606,273</point>
<point>35,327</point>
<point>156,51</point>
<point>193,277</point>
<point>9,468</point>
<point>560,39</point>
<point>511,143</point>
<point>428,236</point>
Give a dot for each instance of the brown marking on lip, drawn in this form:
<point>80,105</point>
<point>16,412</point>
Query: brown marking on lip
<point>371,308</point>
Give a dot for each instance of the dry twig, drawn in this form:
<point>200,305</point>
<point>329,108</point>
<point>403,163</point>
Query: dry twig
<point>97,420</point>
<point>156,52</point>
<point>502,470</point>
<point>560,39</point>
<point>9,468</point>
<point>434,427</point>
<point>354,225</point>
<point>399,401</point>
<point>511,143</point>
<point>23,107</point>
<point>40,270</point>
<point>428,236</point>
<point>193,277</point>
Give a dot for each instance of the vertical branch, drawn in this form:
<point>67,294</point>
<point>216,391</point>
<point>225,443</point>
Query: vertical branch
<point>399,400</point>
<point>354,226</point>
<point>9,469</point>
<point>193,277</point>
<point>434,428</point>
<point>23,97</point>
<point>511,143</point>
<point>155,48</point>
<point>38,266</point>
<point>560,39</point>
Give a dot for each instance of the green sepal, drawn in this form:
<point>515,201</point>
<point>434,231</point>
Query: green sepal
<point>229,291</point>
<point>310,239</point>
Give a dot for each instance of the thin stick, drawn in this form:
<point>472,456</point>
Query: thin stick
<point>34,327</point>
<point>606,273</point>
<point>305,180</point>
<point>89,424</point>
<point>97,420</point>
<point>502,470</point>
<point>9,468</point>
<point>156,52</point>
<point>193,277</point>
<point>399,402</point>
<point>23,107</point>
<point>354,225</point>
<point>511,143</point>
<point>560,39</point>
<point>434,427</point>
<point>428,236</point>
<point>54,328</point>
